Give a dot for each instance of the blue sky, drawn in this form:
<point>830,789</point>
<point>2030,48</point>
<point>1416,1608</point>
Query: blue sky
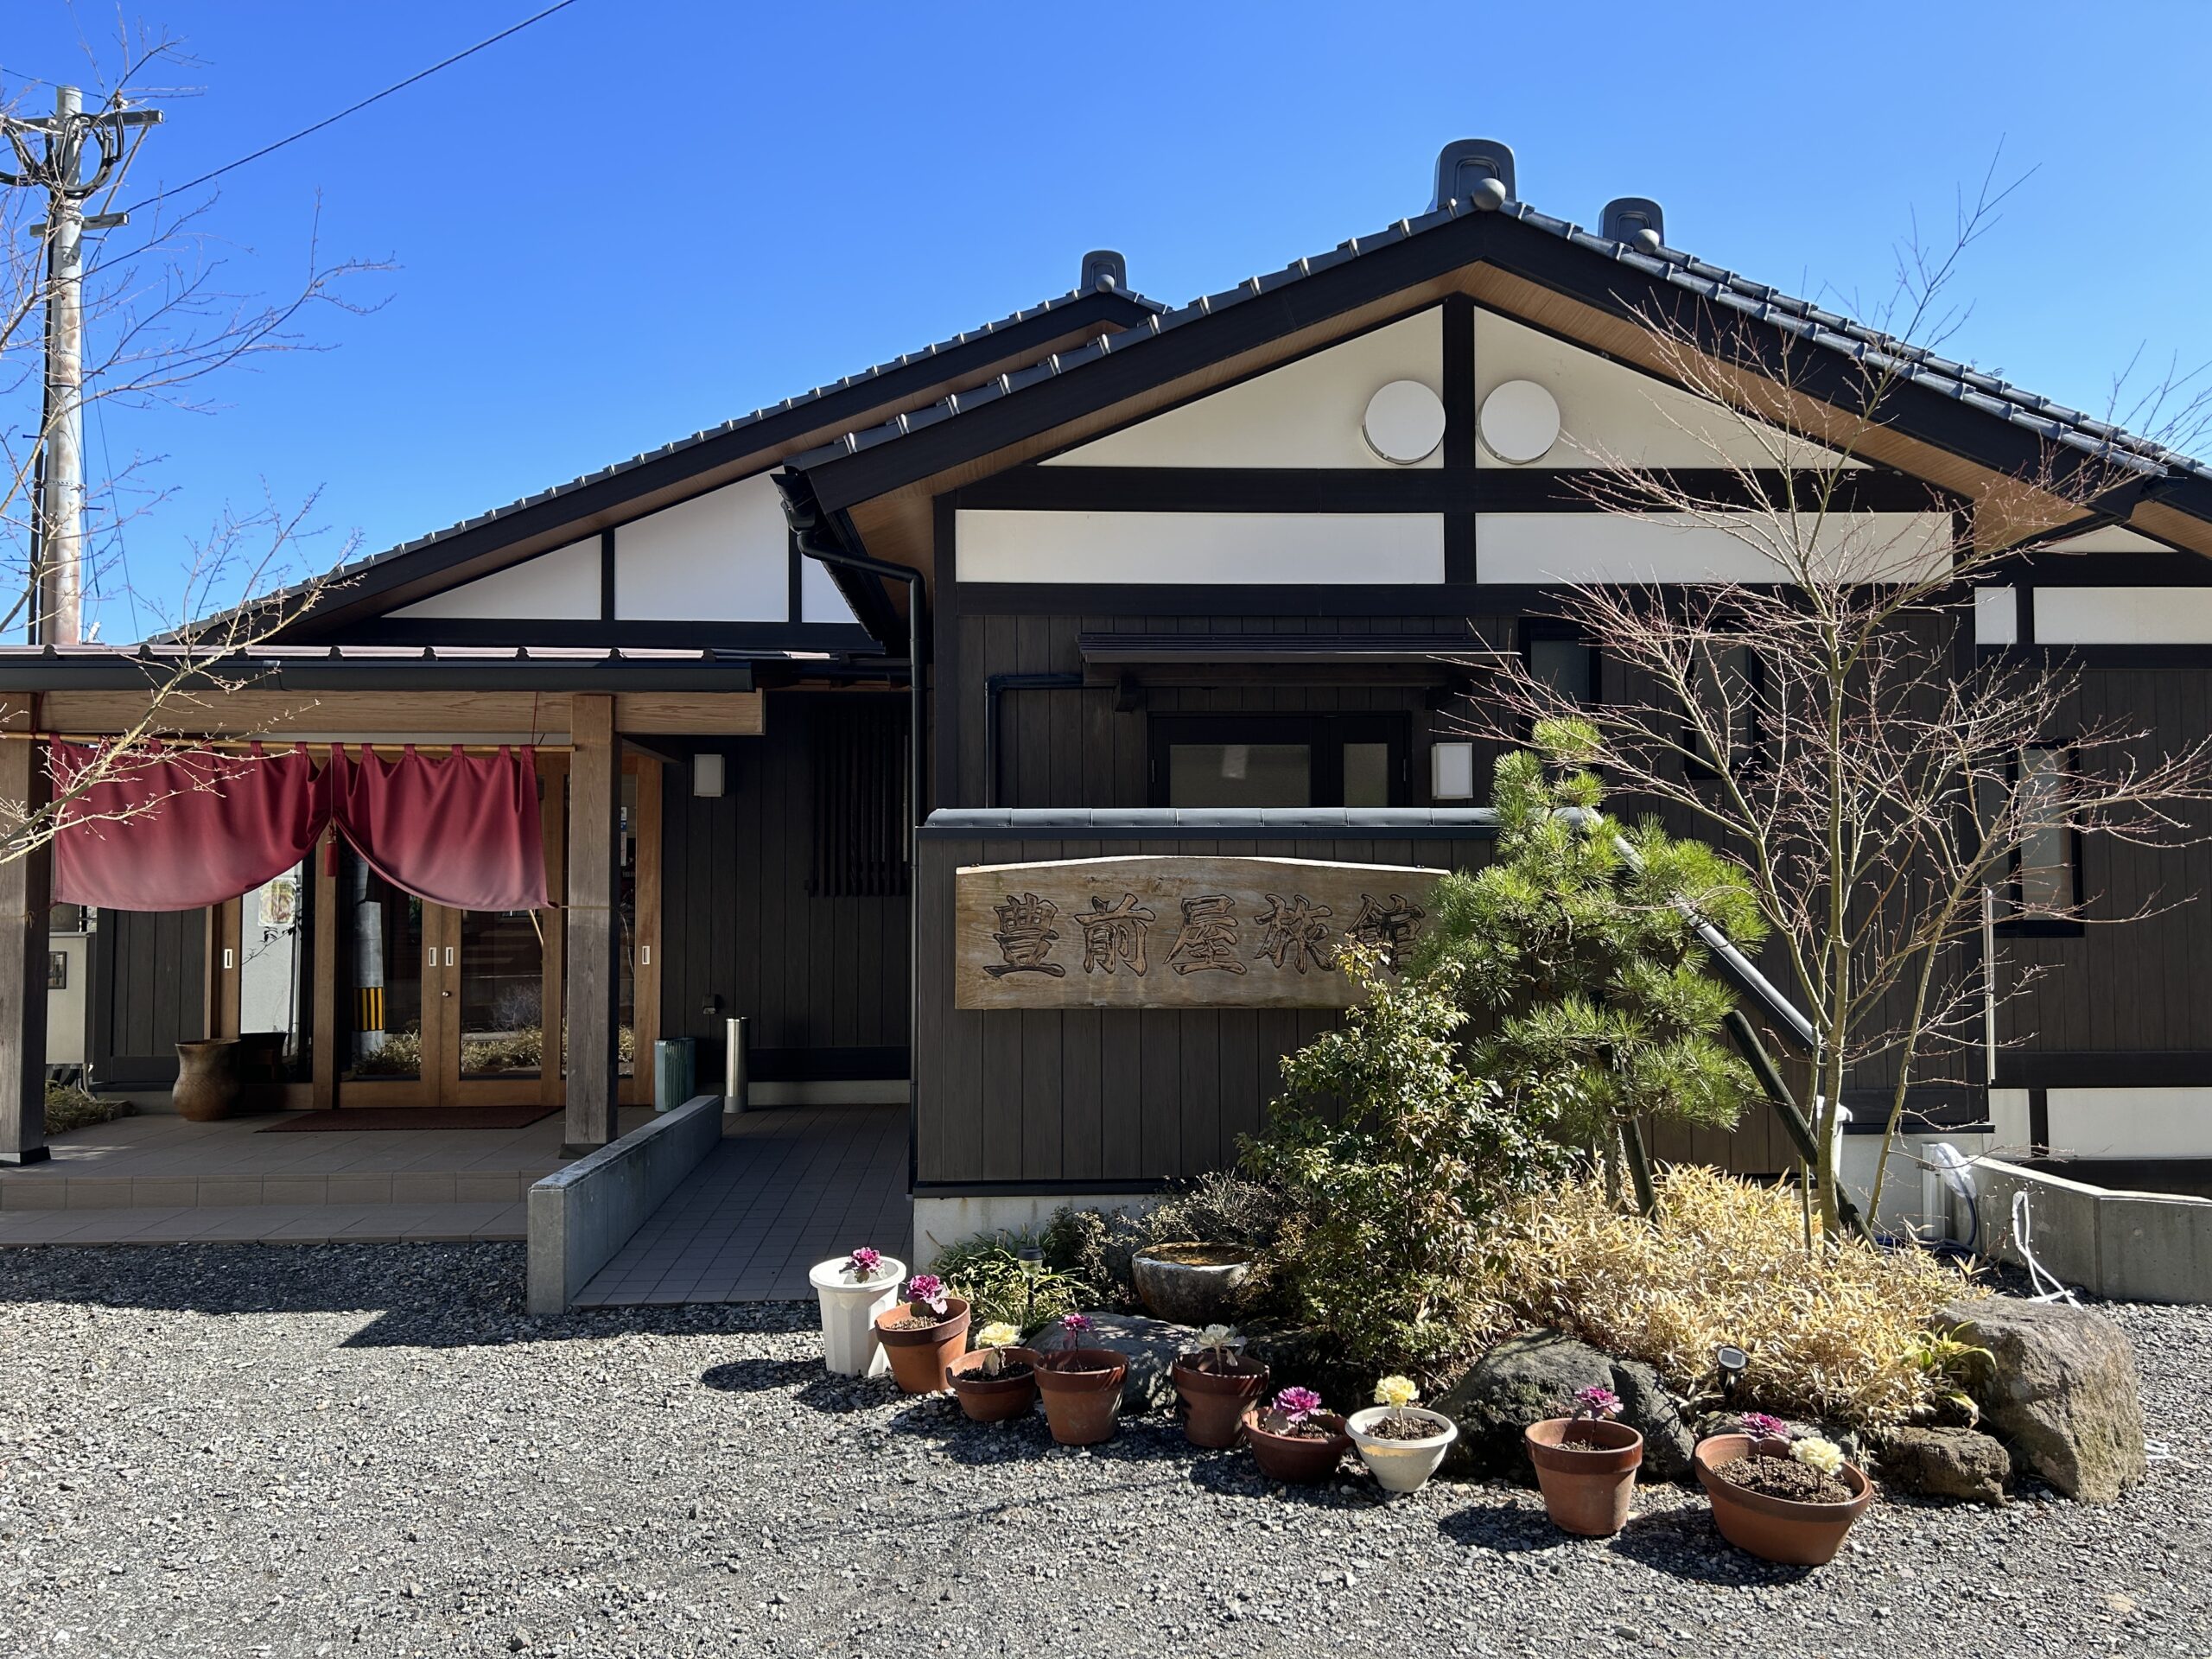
<point>641,217</point>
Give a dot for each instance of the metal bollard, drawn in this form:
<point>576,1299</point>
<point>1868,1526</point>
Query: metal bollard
<point>735,1080</point>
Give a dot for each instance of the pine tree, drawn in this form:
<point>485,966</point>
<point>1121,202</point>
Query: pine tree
<point>1582,964</point>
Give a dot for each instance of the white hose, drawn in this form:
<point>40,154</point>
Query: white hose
<point>2047,1286</point>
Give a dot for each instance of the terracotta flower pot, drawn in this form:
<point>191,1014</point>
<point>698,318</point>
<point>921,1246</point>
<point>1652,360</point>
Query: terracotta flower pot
<point>1776,1528</point>
<point>1297,1459</point>
<point>1082,1406</point>
<point>206,1088</point>
<point>919,1358</point>
<point>987,1399</point>
<point>1585,1492</point>
<point>1216,1400</point>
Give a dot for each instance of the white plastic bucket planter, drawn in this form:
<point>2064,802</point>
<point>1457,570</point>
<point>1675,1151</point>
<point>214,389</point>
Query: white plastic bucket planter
<point>849,1347</point>
<point>1401,1465</point>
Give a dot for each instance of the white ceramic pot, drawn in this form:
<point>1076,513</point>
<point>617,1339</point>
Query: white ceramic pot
<point>1401,1465</point>
<point>848,1342</point>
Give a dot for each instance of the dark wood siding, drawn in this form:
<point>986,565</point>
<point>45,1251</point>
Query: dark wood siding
<point>1104,1097</point>
<point>149,993</point>
<point>821,979</point>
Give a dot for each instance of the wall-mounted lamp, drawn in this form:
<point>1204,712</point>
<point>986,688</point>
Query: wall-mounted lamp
<point>1451,772</point>
<point>707,777</point>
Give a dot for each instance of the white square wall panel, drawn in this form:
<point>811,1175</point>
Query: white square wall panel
<point>562,585</point>
<point>724,556</point>
<point>1010,545</point>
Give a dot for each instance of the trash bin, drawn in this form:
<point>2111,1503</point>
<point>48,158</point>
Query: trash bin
<point>675,1069</point>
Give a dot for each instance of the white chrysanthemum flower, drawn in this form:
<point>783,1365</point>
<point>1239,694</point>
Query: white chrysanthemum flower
<point>1817,1453</point>
<point>1396,1392</point>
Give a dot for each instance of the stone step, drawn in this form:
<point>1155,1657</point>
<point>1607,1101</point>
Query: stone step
<point>267,1224</point>
<point>60,1185</point>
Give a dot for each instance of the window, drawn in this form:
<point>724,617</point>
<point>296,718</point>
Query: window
<point>2045,873</point>
<point>858,747</point>
<point>1236,761</point>
<point>1566,664</point>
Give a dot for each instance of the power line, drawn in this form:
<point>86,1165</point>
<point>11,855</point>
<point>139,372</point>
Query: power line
<point>351,108</point>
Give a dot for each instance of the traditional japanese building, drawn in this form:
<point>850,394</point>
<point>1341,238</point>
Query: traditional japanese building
<point>953,723</point>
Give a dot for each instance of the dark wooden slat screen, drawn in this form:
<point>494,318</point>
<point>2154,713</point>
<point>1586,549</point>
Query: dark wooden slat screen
<point>860,797</point>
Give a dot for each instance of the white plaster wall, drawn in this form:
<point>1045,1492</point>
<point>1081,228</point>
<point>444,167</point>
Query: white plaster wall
<point>65,1009</point>
<point>720,557</point>
<point>1609,412</point>
<point>1533,547</point>
<point>819,598</point>
<point>939,1223</point>
<point>1024,545</point>
<point>1305,414</point>
<point>2109,538</point>
<point>562,584</point>
<point>1996,616</point>
<point>2123,616</point>
<point>2132,1122</point>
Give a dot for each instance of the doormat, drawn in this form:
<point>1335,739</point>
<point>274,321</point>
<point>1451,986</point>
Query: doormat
<point>353,1119</point>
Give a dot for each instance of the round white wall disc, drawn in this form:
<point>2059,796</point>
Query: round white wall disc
<point>1404,423</point>
<point>1519,421</point>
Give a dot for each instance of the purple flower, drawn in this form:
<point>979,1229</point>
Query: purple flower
<point>1296,1405</point>
<point>1760,1426</point>
<point>1072,1325</point>
<point>927,1290</point>
<point>1597,1402</point>
<point>863,1263</point>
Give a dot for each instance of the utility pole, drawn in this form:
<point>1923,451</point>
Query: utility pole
<point>58,528</point>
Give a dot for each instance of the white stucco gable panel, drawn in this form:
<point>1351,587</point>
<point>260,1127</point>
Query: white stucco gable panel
<point>563,585</point>
<point>723,556</point>
<point>1611,414</point>
<point>2123,616</point>
<point>819,601</point>
<point>1321,547</point>
<point>1304,413</point>
<point>1605,547</point>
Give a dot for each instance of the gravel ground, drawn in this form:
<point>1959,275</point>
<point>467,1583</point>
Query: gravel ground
<point>367,1449</point>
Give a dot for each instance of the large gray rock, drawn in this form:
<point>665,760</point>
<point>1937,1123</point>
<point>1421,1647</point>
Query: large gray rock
<point>1961,1463</point>
<point>1152,1346</point>
<point>1526,1379</point>
<point>2062,1391</point>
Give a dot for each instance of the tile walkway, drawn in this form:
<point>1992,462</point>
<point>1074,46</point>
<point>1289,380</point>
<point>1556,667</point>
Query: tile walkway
<point>157,1161</point>
<point>787,1187</point>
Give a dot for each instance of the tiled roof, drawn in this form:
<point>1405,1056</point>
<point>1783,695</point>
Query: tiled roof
<point>904,360</point>
<point>1830,330</point>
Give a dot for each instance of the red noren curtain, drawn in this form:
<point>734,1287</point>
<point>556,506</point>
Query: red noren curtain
<point>178,831</point>
<point>461,831</point>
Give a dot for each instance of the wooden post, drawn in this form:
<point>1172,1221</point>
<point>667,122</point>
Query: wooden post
<point>593,978</point>
<point>26,892</point>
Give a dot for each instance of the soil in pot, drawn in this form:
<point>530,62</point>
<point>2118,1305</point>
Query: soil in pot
<point>1791,1531</point>
<point>1298,1455</point>
<point>922,1346</point>
<point>1586,1470</point>
<point>1190,1283</point>
<point>1215,1396</point>
<point>988,1399</point>
<point>1082,1389</point>
<point>1402,1449</point>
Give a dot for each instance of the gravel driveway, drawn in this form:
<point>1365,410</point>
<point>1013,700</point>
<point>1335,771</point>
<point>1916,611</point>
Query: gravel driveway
<point>367,1449</point>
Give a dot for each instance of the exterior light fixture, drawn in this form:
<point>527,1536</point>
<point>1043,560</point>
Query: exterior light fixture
<point>1731,1362</point>
<point>707,777</point>
<point>1451,771</point>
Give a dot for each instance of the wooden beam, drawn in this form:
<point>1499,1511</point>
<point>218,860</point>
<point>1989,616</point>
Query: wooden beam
<point>365,715</point>
<point>592,976</point>
<point>698,714</point>
<point>26,889</point>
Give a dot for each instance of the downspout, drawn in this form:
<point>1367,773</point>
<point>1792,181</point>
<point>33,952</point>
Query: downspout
<point>823,539</point>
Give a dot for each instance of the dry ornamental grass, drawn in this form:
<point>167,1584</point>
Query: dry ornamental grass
<point>1835,1333</point>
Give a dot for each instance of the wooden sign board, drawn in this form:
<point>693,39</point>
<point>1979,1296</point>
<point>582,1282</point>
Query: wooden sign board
<point>1162,932</point>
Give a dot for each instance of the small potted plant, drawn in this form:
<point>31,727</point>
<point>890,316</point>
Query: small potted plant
<point>922,1334</point>
<point>1293,1440</point>
<point>1400,1443</point>
<point>1217,1382</point>
<point>1082,1385</point>
<point>853,1289</point>
<point>1783,1499</point>
<point>999,1380</point>
<point>1587,1464</point>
